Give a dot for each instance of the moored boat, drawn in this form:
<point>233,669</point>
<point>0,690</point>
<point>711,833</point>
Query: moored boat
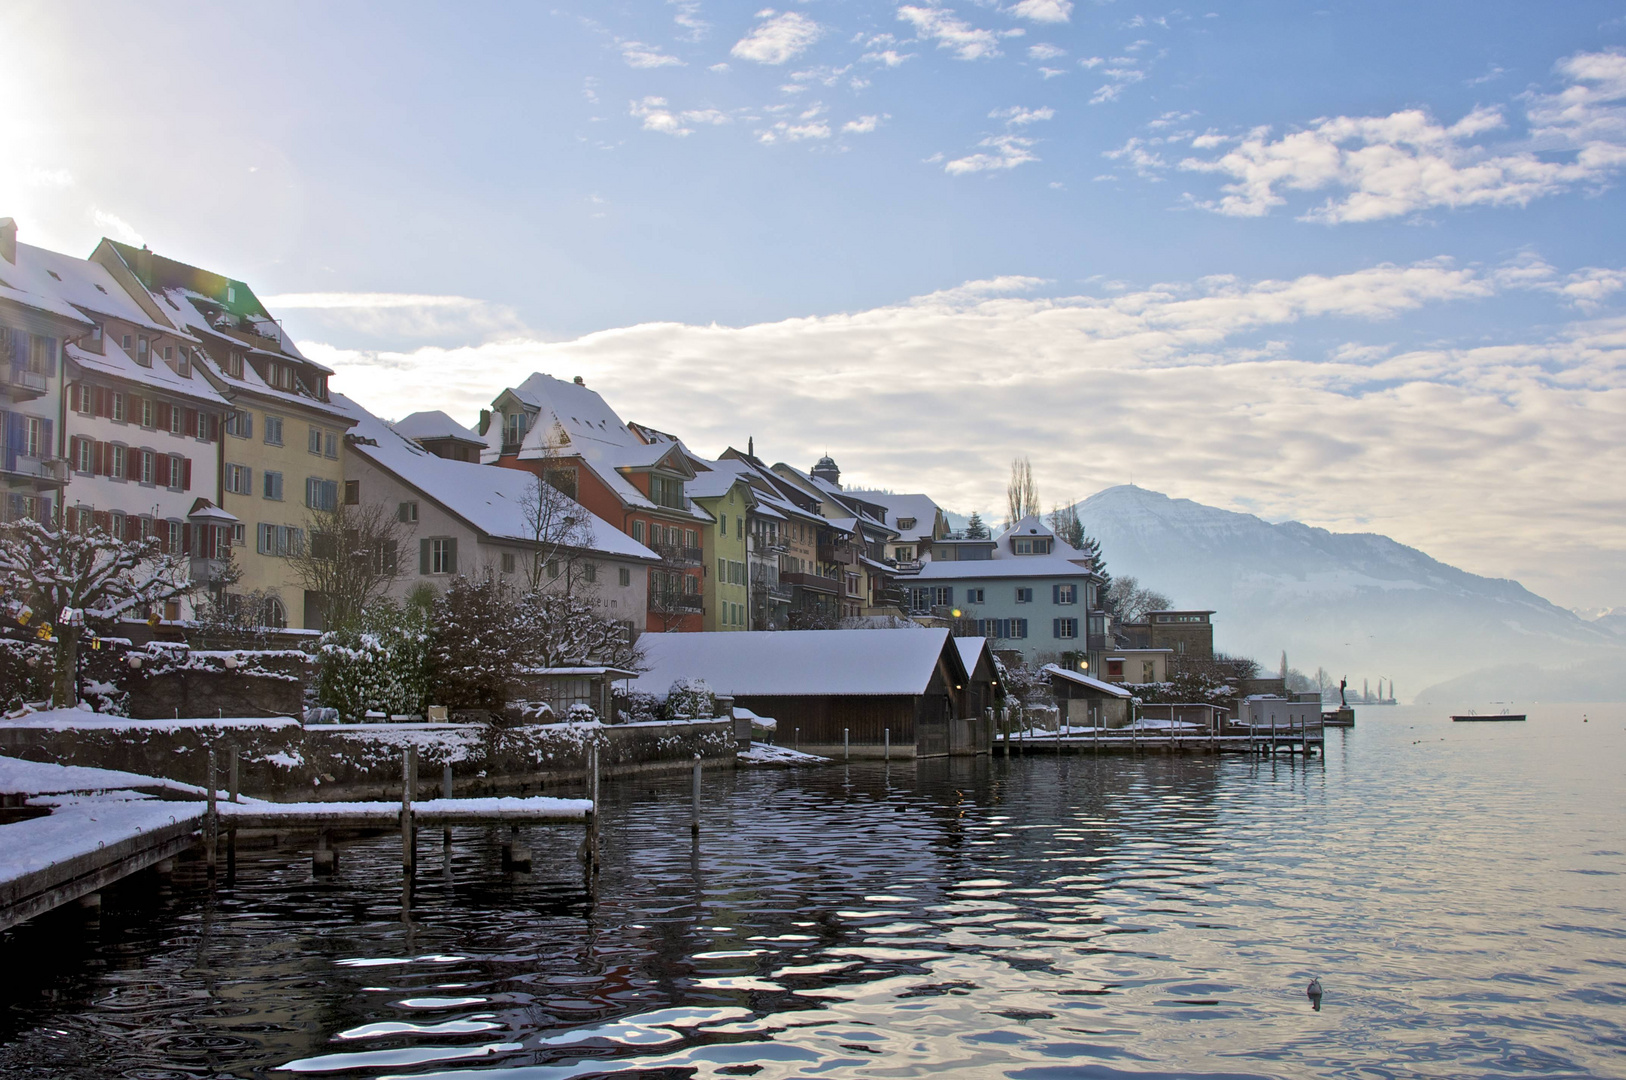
<point>1470,716</point>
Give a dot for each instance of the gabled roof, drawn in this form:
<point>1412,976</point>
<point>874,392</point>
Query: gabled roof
<point>903,507</point>
<point>1022,566</point>
<point>489,499</point>
<point>78,285</point>
<point>114,362</point>
<point>972,651</point>
<point>718,478</point>
<point>798,663</point>
<point>1110,689</point>
<point>434,425</point>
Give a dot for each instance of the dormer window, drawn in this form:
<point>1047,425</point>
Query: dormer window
<point>234,365</point>
<point>513,428</point>
<point>906,523</point>
<point>1032,545</point>
<point>143,355</point>
<point>666,491</point>
<point>231,294</point>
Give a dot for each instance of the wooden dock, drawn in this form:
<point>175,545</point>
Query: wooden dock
<point>104,827</point>
<point>1282,740</point>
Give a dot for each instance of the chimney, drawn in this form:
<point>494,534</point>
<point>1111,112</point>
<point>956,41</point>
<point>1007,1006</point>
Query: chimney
<point>579,381</point>
<point>8,240</point>
<point>143,265</point>
<point>485,421</point>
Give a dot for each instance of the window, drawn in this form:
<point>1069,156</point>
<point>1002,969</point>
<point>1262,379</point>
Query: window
<point>314,443</point>
<point>508,562</point>
<point>722,570</point>
<point>1032,545</point>
<point>172,538</point>
<point>147,467</point>
<point>437,556</point>
<point>239,479</point>
<point>553,568</point>
<point>926,597</point>
<point>722,524</point>
<point>118,407</point>
<point>1024,596</point>
<point>1064,594</point>
<point>388,558</point>
<point>272,486</point>
<point>638,531</point>
<point>330,448</point>
<point>590,571</point>
<point>905,553</point>
<point>169,352</point>
<point>513,428</point>
<point>33,436</point>
<point>281,540</point>
<point>666,491</point>
<point>240,424</point>
<point>115,467</point>
<point>739,527</point>
<point>273,429</point>
<point>239,534</point>
<point>352,492</point>
<point>125,341</point>
<point>234,365</point>
<point>1066,628</point>
<point>974,596</point>
<point>1002,628</point>
<point>407,513</point>
<point>691,538</point>
<point>143,357</point>
<point>84,399</point>
<point>84,455</point>
<point>321,494</point>
<point>146,408</point>
<point>176,417</point>
<point>116,524</point>
<point>178,472</point>
<point>624,576</point>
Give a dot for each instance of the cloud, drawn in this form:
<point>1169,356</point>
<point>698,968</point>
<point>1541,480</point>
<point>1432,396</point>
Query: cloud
<point>1381,167</point>
<point>1049,11</point>
<point>862,126</point>
<point>111,223</point>
<point>402,317</point>
<point>966,41</point>
<point>657,117</point>
<point>891,58</point>
<point>1045,51</point>
<point>639,55</point>
<point>781,38</point>
<point>1198,388</point>
<point>688,17</point>
<point>1003,152</point>
<point>809,124</point>
<point>1121,77</point>
<point>1016,116</point>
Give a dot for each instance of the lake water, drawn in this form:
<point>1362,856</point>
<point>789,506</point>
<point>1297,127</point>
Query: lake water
<point>1459,889</point>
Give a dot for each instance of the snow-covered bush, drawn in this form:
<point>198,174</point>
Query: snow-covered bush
<point>25,672</point>
<point>472,656</point>
<point>690,699</point>
<point>636,707</point>
<point>380,665</point>
<point>581,713</point>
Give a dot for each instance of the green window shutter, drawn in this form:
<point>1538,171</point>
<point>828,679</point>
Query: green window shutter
<point>423,556</point>
<point>451,555</point>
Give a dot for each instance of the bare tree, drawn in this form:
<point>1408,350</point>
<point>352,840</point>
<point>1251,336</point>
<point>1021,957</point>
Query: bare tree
<point>564,630</point>
<point>1130,603</point>
<point>57,579</point>
<point>562,530</point>
<point>1021,495</point>
<point>351,559</point>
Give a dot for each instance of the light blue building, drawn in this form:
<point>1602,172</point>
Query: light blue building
<point>1027,591</point>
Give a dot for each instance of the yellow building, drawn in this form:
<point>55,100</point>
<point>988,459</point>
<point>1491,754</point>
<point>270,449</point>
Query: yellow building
<point>728,498</point>
<point>282,451</point>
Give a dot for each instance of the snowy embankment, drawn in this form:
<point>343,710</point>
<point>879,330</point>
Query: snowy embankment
<point>81,826</point>
<point>19,777</point>
<point>766,755</point>
<point>1142,726</point>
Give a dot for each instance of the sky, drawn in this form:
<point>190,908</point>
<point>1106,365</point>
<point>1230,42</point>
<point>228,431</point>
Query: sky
<point>1353,264</point>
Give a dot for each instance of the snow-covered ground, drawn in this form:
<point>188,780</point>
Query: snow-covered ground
<point>41,778</point>
<point>1144,725</point>
<point>765,754</point>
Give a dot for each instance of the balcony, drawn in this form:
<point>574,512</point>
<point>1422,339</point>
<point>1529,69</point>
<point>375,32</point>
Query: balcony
<point>812,582</point>
<point>891,597</point>
<point>22,384</point>
<point>677,555</point>
<point>38,473</point>
<point>836,553</point>
<point>673,603</point>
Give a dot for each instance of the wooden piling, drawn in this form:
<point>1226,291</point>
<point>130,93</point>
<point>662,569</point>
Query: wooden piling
<point>446,793</point>
<point>846,746</point>
<point>694,817</point>
<point>886,752</point>
<point>409,768</point>
<point>211,822</point>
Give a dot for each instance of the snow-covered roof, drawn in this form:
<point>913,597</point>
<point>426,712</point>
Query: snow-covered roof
<point>1020,566</point>
<point>434,424</point>
<point>114,362</point>
<point>920,508</point>
<point>795,663</point>
<point>66,286</point>
<point>971,650</point>
<point>490,499</point>
<point>717,478</point>
<point>1110,689</point>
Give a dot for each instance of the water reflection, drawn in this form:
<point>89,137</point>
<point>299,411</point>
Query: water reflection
<point>1041,916</point>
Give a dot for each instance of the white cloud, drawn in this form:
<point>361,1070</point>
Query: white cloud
<point>1004,152</point>
<point>656,116</point>
<point>781,38</point>
<point>1423,443</point>
<point>111,223</point>
<point>890,57</point>
<point>1016,116</point>
<point>400,316</point>
<point>966,41</point>
<point>1121,77</point>
<point>862,126</point>
<point>1049,11</point>
<point>1389,166</point>
<point>1045,51</point>
<point>809,124</point>
<point>688,17</point>
<point>639,55</point>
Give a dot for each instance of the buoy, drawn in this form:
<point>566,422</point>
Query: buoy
<point>1313,992</point>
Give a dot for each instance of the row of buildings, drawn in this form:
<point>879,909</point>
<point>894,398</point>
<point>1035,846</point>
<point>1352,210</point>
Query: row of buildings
<point>154,398</point>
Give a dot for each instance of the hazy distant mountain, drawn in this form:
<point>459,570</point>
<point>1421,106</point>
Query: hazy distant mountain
<point>1359,604</point>
<point>1600,679</point>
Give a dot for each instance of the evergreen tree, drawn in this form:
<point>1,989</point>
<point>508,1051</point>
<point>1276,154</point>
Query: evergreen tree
<point>975,529</point>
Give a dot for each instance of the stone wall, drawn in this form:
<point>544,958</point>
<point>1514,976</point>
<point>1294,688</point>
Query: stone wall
<point>285,760</point>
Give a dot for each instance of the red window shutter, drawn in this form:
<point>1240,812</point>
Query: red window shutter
<point>189,422</point>
<point>214,427</point>
<point>161,470</point>
<point>160,415</point>
<point>186,539</point>
<point>99,396</point>
<point>186,474</point>
<point>96,455</point>
<point>132,464</point>
<point>102,519</point>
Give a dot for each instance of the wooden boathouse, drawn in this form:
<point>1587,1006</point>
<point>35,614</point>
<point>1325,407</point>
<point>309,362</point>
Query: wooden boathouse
<point>866,693</point>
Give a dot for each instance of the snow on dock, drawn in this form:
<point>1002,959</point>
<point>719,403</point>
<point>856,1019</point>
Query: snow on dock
<point>328,815</point>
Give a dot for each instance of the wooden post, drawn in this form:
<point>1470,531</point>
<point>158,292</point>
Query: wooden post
<point>233,788</point>
<point>408,852</point>
<point>446,793</point>
<point>212,824</point>
<point>797,745</point>
<point>886,753</point>
<point>846,745</point>
<point>231,830</point>
<point>694,816</point>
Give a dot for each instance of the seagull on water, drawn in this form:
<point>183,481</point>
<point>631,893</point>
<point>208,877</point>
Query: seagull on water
<point>1313,992</point>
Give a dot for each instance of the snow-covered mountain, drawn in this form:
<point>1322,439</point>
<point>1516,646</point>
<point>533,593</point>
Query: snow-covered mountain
<point>1358,604</point>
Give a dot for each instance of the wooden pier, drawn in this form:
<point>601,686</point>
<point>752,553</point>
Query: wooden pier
<point>1306,741</point>
<point>88,843</point>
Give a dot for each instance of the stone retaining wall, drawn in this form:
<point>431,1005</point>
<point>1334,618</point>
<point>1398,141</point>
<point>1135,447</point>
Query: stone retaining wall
<point>283,759</point>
